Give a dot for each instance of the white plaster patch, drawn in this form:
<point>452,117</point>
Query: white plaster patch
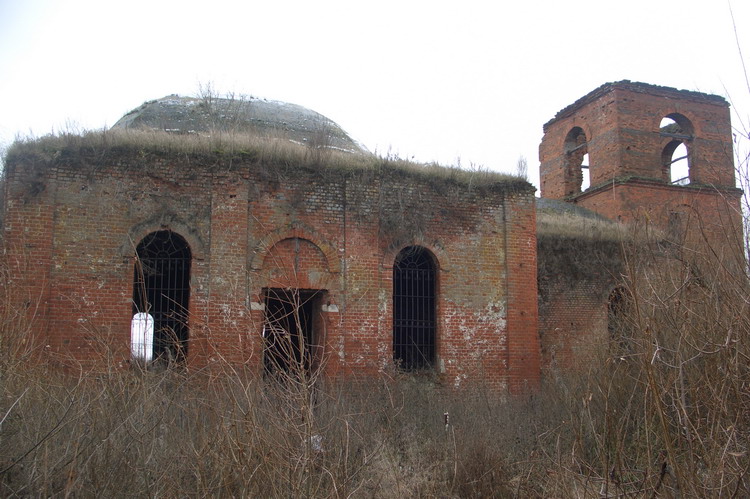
<point>341,350</point>
<point>383,298</point>
<point>226,312</point>
<point>495,313</point>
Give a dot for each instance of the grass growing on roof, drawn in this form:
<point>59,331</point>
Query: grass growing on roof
<point>228,149</point>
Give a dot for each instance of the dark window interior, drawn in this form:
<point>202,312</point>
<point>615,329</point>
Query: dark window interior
<point>414,309</point>
<point>161,287</point>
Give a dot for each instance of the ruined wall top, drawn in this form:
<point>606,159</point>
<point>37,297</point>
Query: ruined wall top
<point>639,87</point>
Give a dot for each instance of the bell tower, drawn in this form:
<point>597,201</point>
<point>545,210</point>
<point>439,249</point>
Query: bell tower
<point>628,150</point>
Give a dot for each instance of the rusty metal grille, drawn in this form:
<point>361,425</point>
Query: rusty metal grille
<point>414,309</point>
<point>162,289</point>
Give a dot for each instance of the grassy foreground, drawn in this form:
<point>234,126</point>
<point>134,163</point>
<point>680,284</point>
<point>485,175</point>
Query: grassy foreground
<point>664,412</point>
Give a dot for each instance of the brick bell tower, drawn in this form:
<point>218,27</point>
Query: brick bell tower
<point>632,151</point>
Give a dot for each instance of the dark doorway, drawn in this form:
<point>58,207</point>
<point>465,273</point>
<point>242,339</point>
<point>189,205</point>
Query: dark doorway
<point>619,322</point>
<point>161,289</point>
<point>289,330</point>
<point>414,286</point>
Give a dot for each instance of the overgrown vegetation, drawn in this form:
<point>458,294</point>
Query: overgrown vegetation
<point>560,220</point>
<point>226,151</point>
<point>665,412</point>
<point>577,247</point>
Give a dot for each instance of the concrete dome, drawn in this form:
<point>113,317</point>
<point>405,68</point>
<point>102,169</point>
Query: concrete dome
<point>265,118</point>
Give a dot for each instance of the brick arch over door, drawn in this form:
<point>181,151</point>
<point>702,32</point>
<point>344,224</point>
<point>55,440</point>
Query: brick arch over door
<point>260,254</point>
<point>295,262</point>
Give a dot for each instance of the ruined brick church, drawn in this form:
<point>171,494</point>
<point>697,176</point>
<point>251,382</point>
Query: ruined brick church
<point>124,247</point>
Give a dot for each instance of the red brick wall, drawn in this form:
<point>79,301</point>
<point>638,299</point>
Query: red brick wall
<point>691,215</point>
<point>576,276</point>
<point>254,227</point>
<point>621,121</point>
<point>573,326</point>
<point>521,272</point>
<point>27,233</point>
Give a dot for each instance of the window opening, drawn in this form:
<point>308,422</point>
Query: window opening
<point>585,173</point>
<point>289,339</point>
<point>576,151</point>
<point>675,157</point>
<point>414,287</point>
<point>161,294</point>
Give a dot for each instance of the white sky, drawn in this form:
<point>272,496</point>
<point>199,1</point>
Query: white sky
<point>435,80</point>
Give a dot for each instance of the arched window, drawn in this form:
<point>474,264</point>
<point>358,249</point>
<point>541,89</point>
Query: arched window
<point>161,294</point>
<point>675,157</point>
<point>414,325</point>
<point>577,158</point>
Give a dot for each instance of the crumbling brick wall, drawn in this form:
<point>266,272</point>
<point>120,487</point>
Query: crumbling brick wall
<point>576,277</point>
<point>629,162</point>
<point>254,225</point>
<point>621,128</point>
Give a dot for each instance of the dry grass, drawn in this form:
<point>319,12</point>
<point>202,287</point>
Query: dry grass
<point>233,150</point>
<point>180,434</point>
<point>664,412</point>
<point>553,223</point>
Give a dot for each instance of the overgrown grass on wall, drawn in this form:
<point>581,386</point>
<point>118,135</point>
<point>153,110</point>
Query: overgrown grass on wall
<point>230,150</point>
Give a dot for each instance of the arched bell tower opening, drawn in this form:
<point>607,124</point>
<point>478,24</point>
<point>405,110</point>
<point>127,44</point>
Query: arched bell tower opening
<point>654,150</point>
<point>577,161</point>
<point>677,131</point>
<point>161,297</point>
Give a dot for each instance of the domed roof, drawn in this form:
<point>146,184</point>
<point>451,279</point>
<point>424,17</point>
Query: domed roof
<point>261,117</point>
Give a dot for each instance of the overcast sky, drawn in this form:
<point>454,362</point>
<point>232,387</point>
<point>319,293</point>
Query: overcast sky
<point>433,80</point>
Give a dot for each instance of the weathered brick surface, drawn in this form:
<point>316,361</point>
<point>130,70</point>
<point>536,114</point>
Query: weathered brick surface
<point>72,225</point>
<point>252,227</point>
<point>621,122</point>
<point>625,144</point>
<point>576,277</point>
<point>696,216</point>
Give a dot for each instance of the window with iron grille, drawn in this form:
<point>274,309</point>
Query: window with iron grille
<point>161,289</point>
<point>414,287</point>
